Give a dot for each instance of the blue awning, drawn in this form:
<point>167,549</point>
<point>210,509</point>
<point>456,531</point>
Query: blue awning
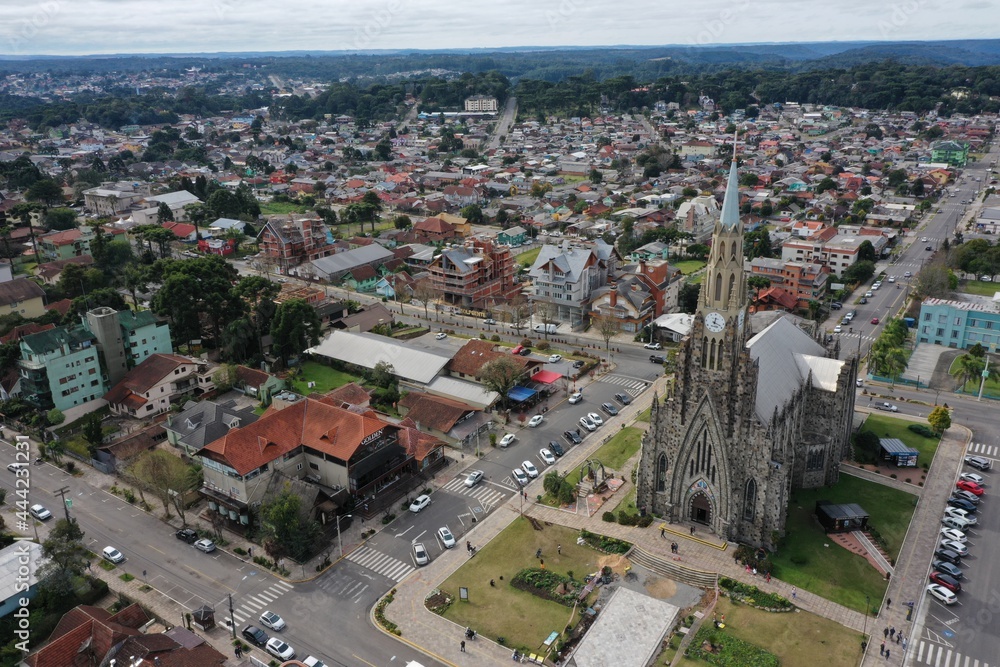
<point>519,394</point>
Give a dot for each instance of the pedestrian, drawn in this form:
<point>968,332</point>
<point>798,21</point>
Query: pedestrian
<point>892,632</point>
<point>904,643</point>
<point>885,633</point>
<point>542,562</point>
<point>768,577</point>
<point>887,654</point>
<point>888,602</point>
<point>559,549</point>
<point>538,554</point>
<point>881,649</point>
<point>755,572</point>
<point>463,646</point>
<point>793,592</point>
<point>899,637</point>
<point>468,545</point>
<point>663,532</point>
<point>493,584</point>
<point>692,530</point>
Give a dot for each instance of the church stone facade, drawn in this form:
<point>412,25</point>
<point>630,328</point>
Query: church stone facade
<point>752,414</point>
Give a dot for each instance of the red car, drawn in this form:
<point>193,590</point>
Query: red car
<point>947,581</point>
<point>517,350</point>
<point>874,320</point>
<point>971,487</point>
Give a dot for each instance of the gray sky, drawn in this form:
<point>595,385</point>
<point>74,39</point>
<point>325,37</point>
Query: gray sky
<point>76,27</point>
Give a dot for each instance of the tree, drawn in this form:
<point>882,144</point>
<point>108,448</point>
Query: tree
<point>286,526</point>
<point>757,244</point>
<point>295,327</point>
<point>237,236</point>
<point>969,367</point>
<point>424,291</point>
<point>758,283</point>
<point>164,213</point>
<point>196,288</point>
<point>687,298</point>
<point>501,375</point>
<point>473,213</point>
<point>939,419</point>
<point>402,222</point>
<point>93,432</point>
<point>46,191</point>
<point>557,486</point>
<point>935,280</point>
<point>866,252</point>
<point>595,176</point>
<point>859,272</point>
<point>608,326</point>
<point>66,558</point>
<point>197,214</point>
<point>167,476</point>
<point>60,219</point>
<point>548,313</point>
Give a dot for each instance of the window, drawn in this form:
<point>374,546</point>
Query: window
<point>958,322</point>
<point>954,334</point>
<point>925,329</point>
<point>987,338</point>
<point>942,319</point>
<point>749,500</point>
<point>940,332</point>
<point>973,336</point>
<point>815,459</point>
<point>149,407</point>
<point>661,473</point>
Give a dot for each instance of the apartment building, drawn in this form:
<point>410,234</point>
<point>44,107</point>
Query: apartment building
<point>475,275</point>
<point>805,281</point>
<point>288,242</point>
<point>61,368</point>
<point>566,280</point>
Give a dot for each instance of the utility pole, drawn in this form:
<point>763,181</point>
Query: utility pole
<point>232,620</point>
<point>982,380</point>
<point>62,493</point>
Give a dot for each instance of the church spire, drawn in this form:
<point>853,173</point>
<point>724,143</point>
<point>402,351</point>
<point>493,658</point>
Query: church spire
<point>730,217</point>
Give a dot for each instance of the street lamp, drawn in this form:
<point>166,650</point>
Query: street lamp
<point>864,632</point>
<point>340,539</point>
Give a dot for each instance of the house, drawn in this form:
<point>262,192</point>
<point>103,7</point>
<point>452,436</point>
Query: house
<point>512,236</point>
<point>334,268</point>
<point>476,353</point>
<point>476,275</point>
<point>697,216</point>
<point>395,285</point>
<point>566,280</point>
<point>954,153</point>
<point>149,211</point>
<point>441,417</point>
<point>697,149</point>
<point>150,388</point>
<point>18,582</point>
<point>87,635</point>
<point>200,423</point>
<point>182,230</point>
<point>960,323</point>
<point>430,230</point>
<point>351,395</point>
<point>23,297</point>
<point>106,202</point>
<point>258,384</point>
<point>65,244</point>
<point>365,319</point>
<point>361,279</point>
<point>413,365</point>
<point>641,294</point>
<point>289,242</point>
<point>50,272</point>
<point>120,452</point>
<point>127,338</point>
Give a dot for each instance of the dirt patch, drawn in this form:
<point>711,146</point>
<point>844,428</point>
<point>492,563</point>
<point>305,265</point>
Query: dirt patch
<point>660,588</point>
<point>534,522</point>
<point>616,562</point>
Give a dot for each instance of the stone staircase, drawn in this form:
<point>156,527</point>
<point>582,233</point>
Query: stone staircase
<point>672,569</point>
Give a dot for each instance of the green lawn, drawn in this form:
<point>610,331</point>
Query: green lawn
<point>799,639</point>
<point>281,208</point>
<point>528,258</point>
<point>503,611</point>
<point>326,379</point>
<point>972,386</point>
<point>809,560</point>
<point>615,452</point>
<point>885,426</point>
<point>978,287</point>
<point>689,266</point>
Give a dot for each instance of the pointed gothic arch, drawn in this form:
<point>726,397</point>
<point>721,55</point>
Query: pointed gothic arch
<point>750,500</point>
<point>718,287</point>
<point>661,473</point>
<point>732,285</point>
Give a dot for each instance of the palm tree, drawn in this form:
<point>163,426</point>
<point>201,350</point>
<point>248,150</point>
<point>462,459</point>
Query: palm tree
<point>969,367</point>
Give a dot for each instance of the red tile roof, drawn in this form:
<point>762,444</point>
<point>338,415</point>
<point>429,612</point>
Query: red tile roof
<point>417,443</point>
<point>350,394</point>
<point>144,377</point>
<point>434,413</point>
<point>20,331</point>
<point>86,631</point>
<point>251,377</point>
<point>435,225</point>
<point>475,353</point>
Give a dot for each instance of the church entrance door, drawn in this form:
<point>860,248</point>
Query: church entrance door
<point>701,509</point>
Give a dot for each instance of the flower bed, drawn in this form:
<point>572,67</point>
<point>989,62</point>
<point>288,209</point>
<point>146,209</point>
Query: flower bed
<point>753,596</point>
<point>608,545</point>
<point>545,584</point>
<point>718,648</point>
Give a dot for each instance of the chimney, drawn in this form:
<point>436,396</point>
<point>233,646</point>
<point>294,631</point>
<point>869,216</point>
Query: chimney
<point>614,296</point>
<point>642,266</point>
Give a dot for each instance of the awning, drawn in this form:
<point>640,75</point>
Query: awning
<point>546,377</point>
<point>519,394</point>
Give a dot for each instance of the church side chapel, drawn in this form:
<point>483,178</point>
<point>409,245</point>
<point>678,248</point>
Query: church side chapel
<point>759,407</point>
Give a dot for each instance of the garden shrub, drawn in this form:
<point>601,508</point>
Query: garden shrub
<point>609,517</point>
<point>753,596</point>
<point>920,429</point>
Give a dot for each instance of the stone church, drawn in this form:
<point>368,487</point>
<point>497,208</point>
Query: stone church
<point>759,408</point>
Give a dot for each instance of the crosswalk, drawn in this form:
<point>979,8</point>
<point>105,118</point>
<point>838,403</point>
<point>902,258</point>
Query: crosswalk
<point>937,655</point>
<point>252,605</point>
<point>380,563</point>
<point>485,494</point>
<point>981,449</point>
<point>631,385</point>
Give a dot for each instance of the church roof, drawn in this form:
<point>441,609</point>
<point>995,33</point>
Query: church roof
<point>785,357</point>
<point>730,217</point>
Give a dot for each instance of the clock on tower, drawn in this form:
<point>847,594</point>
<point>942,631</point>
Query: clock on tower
<point>715,322</point>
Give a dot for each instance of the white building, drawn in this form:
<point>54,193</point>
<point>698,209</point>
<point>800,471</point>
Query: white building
<point>481,104</point>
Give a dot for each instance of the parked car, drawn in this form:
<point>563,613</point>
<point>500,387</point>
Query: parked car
<point>951,570</point>
<point>957,523</point>
<point>957,547</point>
<point>421,503</point>
<point>609,409</point>
<point>596,418</point>
<point>578,363</point>
<point>474,478</point>
<point>948,556</point>
<point>271,620</point>
<point>447,539</point>
<point>973,477</point>
<point>653,346</point>
<point>948,581</point>
<point>863,300</point>
<point>40,512</point>
<point>967,495</point>
<point>280,649</point>
<point>208,546</point>
<point>535,421</point>
<point>874,320</point>
<point>587,424</point>
<point>519,476</point>
<point>959,514</point>
<point>546,456</point>
<point>525,351</point>
<point>490,321</point>
<point>971,487</point>
<point>529,469</point>
<point>420,556</point>
<point>836,305</point>
<point>962,504</point>
<point>311,661</point>
<point>889,407</point>
<point>942,594</point>
<point>869,294</point>
<point>656,358</point>
<point>15,467</point>
<point>507,440</point>
<point>187,535</point>
<point>113,555</point>
<point>954,535</point>
<point>575,397</point>
<point>255,635</point>
<point>573,436</point>
<point>555,358</point>
<point>517,349</point>
<point>624,399</point>
<point>556,448</point>
<point>978,462</point>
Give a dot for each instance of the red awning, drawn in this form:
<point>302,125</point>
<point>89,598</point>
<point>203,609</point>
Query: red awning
<point>546,377</point>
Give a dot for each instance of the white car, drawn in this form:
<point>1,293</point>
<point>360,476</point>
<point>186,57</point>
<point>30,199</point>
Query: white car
<point>555,358</point>
<point>280,649</point>
<point>596,418</point>
<point>420,556</point>
<point>208,546</point>
<point>40,513</point>
<point>519,476</point>
<point>547,456</point>
<point>113,555</point>
<point>838,329</point>
<point>923,239</point>
<point>575,398</point>
<point>957,513</point>
<point>889,407</point>
<point>957,523</point>
<point>587,424</point>
<point>271,620</point>
<point>954,535</point>
<point>507,440</point>
<point>421,503</point>
<point>474,478</point>
<point>529,468</point>
<point>892,279</point>
<point>942,594</point>
<point>958,547</point>
<point>869,294</point>
<point>535,421</point>
<point>441,336</point>
<point>447,539</point>
<point>973,477</point>
<point>653,346</point>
